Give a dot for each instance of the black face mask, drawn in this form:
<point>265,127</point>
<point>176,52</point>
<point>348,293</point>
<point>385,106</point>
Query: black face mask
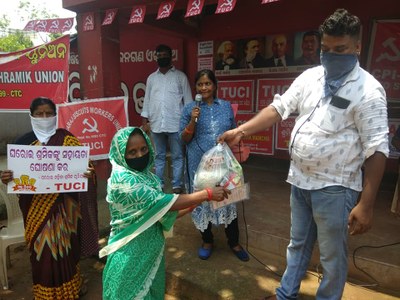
<point>138,163</point>
<point>164,62</point>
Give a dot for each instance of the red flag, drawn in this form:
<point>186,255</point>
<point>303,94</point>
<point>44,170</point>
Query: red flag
<point>225,6</point>
<point>88,21</point>
<point>137,14</point>
<point>165,9</point>
<point>50,25</point>
<point>30,26</point>
<point>109,16</point>
<point>194,8</point>
<point>268,1</point>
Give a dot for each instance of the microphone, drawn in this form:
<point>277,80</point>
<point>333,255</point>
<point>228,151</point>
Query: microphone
<point>198,98</point>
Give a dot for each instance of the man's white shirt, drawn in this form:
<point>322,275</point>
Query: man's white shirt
<point>330,142</point>
<point>165,96</point>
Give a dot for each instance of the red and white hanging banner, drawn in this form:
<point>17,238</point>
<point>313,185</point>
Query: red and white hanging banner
<point>34,72</point>
<point>110,16</point>
<point>88,21</point>
<point>268,1</point>
<point>165,9</point>
<point>137,14</point>
<point>94,122</point>
<point>225,6</point>
<point>50,25</point>
<point>194,8</point>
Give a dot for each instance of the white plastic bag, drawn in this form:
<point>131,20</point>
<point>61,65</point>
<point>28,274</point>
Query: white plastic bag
<point>219,167</point>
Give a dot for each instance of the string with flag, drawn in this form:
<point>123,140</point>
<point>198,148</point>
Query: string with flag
<point>59,25</point>
<point>165,9</point>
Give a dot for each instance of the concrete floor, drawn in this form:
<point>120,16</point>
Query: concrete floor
<point>265,223</point>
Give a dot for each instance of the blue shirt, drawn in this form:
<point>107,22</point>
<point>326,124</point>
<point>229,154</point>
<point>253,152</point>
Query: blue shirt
<point>214,120</point>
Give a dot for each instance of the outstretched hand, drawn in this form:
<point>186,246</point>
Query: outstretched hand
<point>231,137</point>
<point>220,193</point>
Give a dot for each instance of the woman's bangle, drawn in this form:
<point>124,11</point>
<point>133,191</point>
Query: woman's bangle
<point>209,194</point>
<point>188,131</point>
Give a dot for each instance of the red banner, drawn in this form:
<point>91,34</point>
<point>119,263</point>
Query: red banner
<point>50,25</point>
<point>137,14</point>
<point>110,16</point>
<point>34,72</point>
<point>238,91</point>
<point>260,143</point>
<point>283,130</point>
<point>384,56</point>
<point>194,8</point>
<point>88,21</point>
<point>165,9</point>
<point>94,122</point>
<point>225,6</point>
<point>267,88</point>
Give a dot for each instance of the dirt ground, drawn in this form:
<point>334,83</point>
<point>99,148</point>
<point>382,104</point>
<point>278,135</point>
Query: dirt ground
<point>20,276</point>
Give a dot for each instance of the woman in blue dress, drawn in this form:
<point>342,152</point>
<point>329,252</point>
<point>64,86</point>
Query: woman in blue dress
<point>200,126</point>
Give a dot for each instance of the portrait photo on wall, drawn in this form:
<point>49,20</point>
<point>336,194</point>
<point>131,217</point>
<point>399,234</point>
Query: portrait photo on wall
<point>275,53</point>
<point>307,48</point>
<point>279,50</point>
<point>251,53</point>
<point>226,57</point>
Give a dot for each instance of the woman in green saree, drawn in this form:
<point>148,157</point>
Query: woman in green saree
<point>140,214</point>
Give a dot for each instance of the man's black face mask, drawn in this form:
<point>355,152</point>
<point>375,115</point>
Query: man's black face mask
<point>164,62</point>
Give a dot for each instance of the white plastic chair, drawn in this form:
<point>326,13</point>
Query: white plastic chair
<point>14,233</point>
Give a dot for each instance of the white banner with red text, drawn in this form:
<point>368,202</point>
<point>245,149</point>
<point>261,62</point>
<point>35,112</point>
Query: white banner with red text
<point>47,169</point>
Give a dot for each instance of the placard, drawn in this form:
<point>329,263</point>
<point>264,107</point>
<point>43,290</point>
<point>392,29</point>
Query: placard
<point>267,88</point>
<point>238,92</point>
<point>260,143</point>
<point>47,169</point>
<point>384,56</point>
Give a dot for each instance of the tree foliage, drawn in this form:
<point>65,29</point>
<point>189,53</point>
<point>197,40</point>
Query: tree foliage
<point>14,39</point>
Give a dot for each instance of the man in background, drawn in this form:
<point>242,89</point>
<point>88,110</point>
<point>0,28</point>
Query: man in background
<point>310,46</point>
<point>167,91</point>
<point>252,57</point>
<point>279,56</point>
<point>227,59</point>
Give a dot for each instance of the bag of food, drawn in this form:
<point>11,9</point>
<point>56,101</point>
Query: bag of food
<point>219,167</point>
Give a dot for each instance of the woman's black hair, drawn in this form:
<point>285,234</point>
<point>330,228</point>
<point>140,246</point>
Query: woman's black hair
<point>137,131</point>
<point>42,101</point>
<point>210,74</point>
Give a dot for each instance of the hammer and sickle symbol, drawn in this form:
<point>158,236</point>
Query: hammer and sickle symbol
<point>92,127</point>
<point>389,43</point>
